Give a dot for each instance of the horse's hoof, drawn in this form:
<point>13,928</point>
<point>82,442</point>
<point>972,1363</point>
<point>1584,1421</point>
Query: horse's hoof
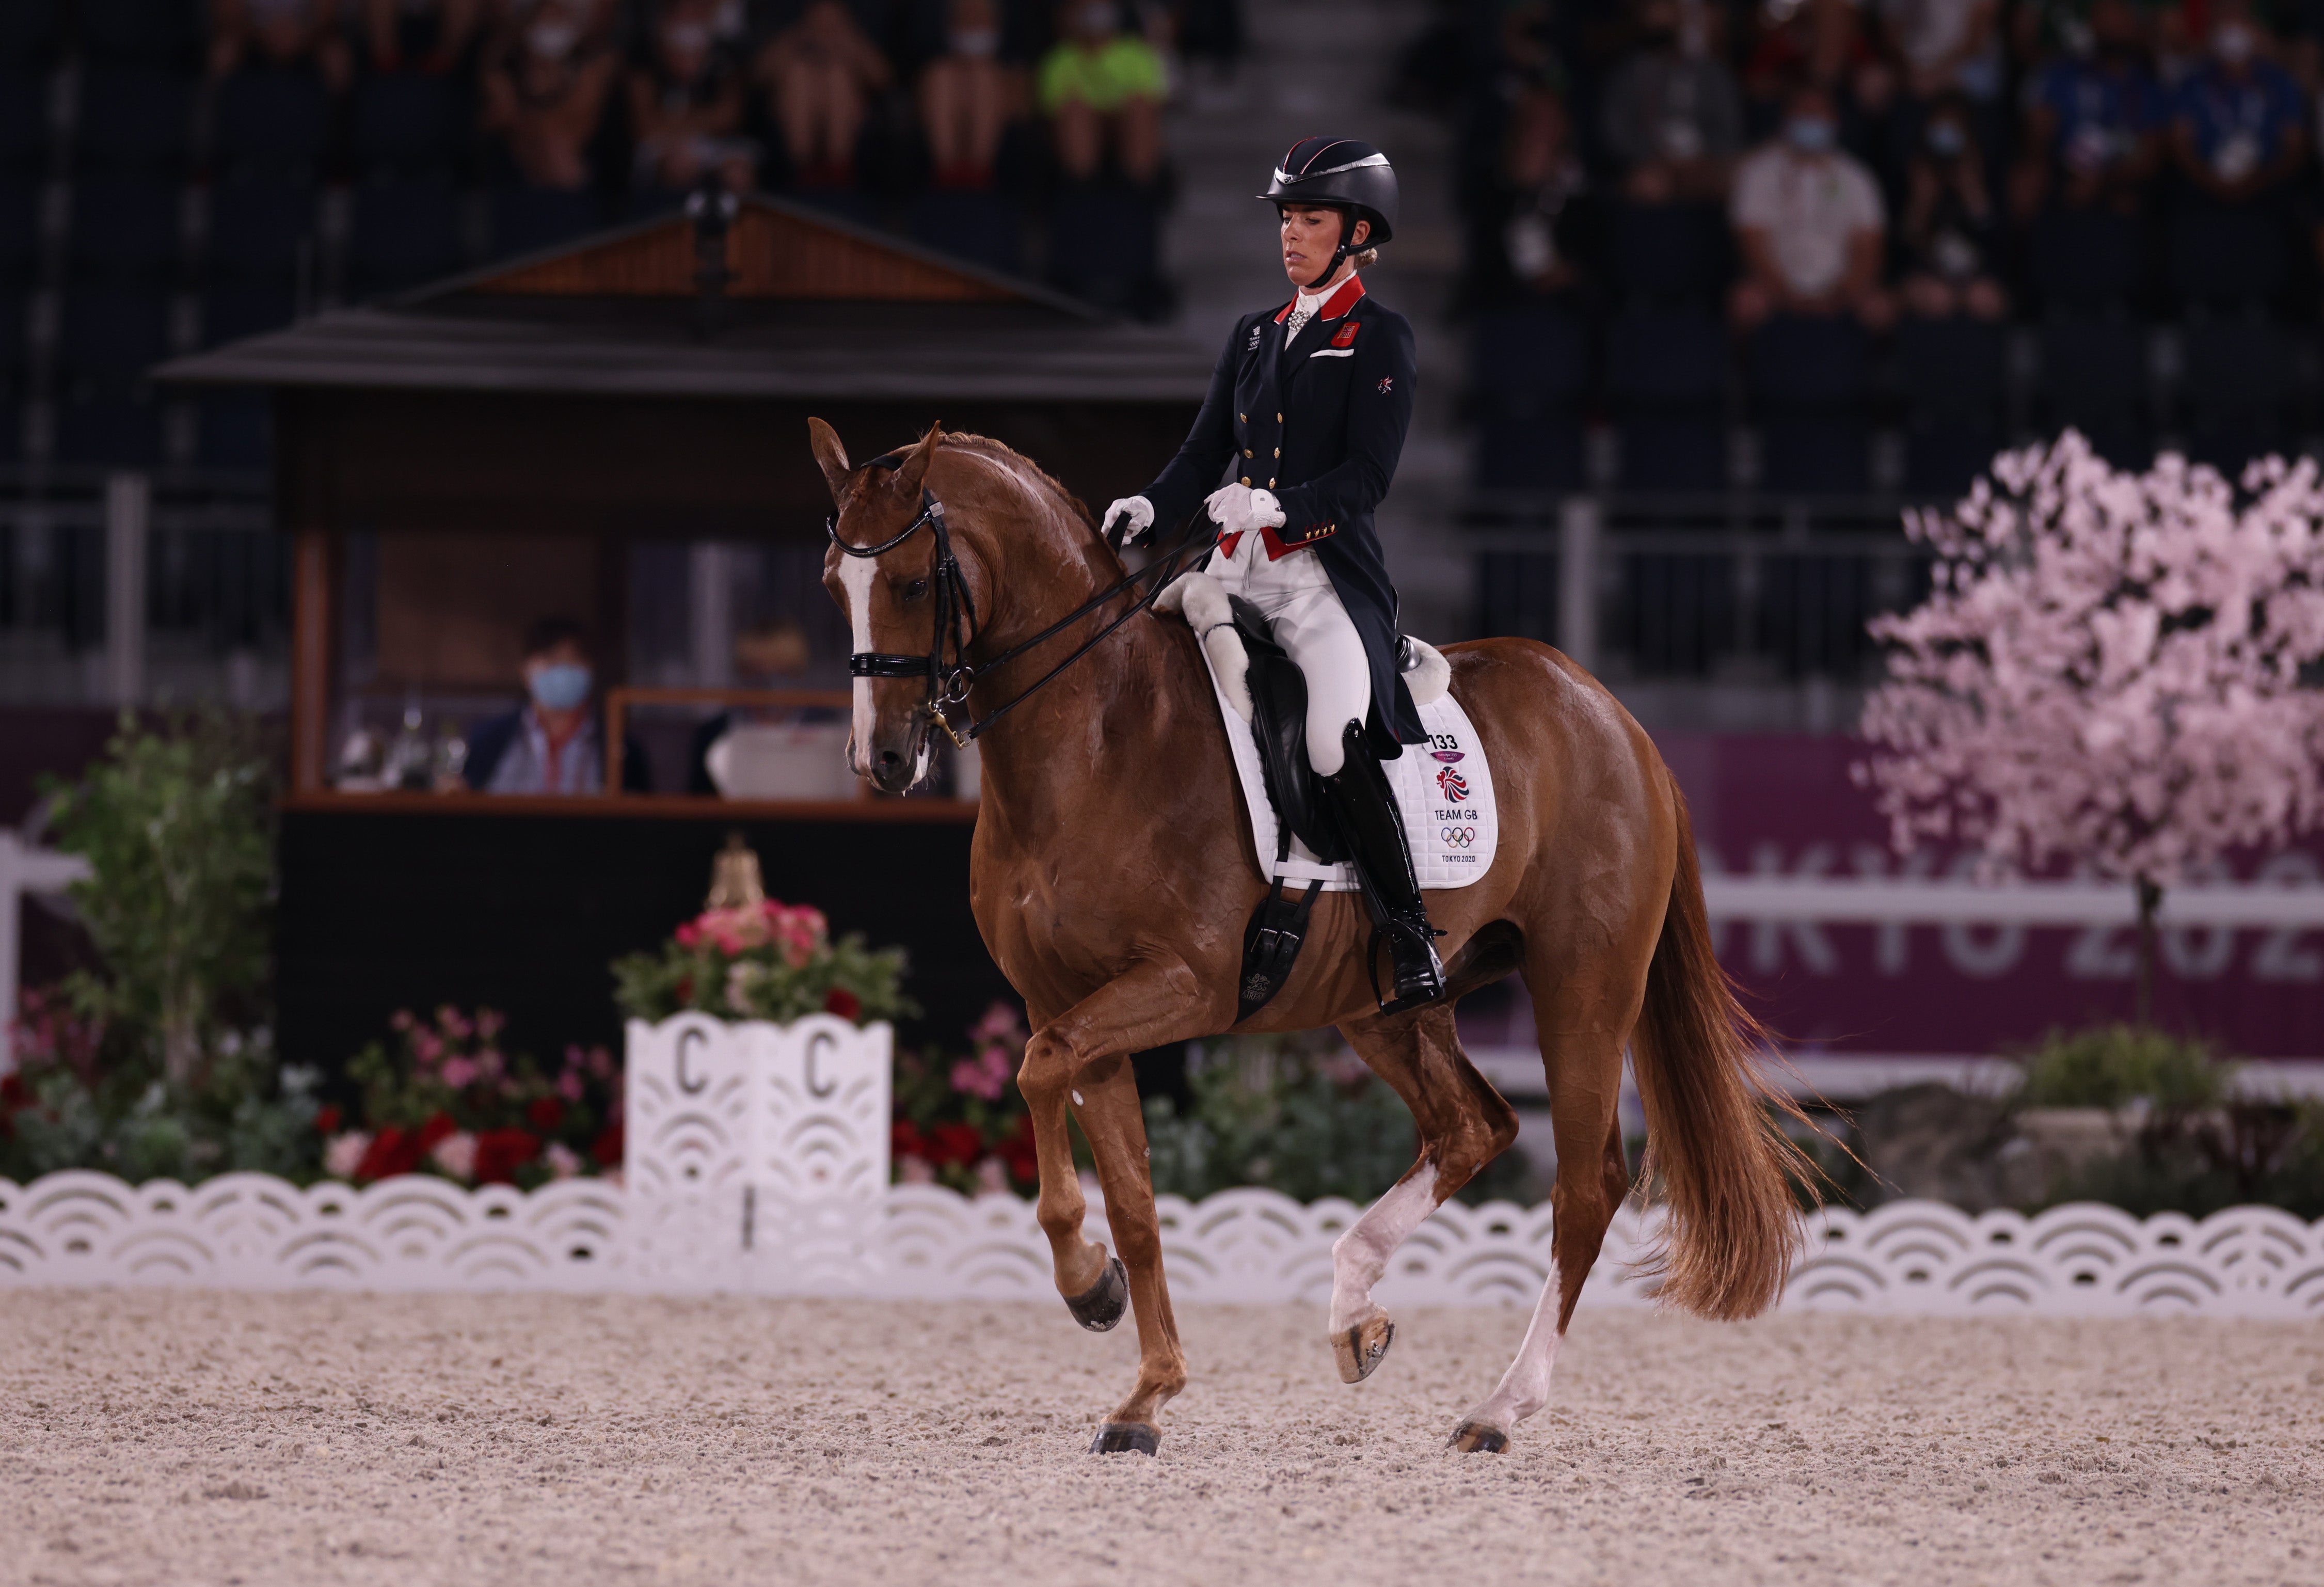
<point>1100,1306</point>
<point>1476,1438</point>
<point>1360,1349</point>
<point>1125,1438</point>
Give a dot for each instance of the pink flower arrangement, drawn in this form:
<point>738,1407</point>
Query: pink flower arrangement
<point>797,929</point>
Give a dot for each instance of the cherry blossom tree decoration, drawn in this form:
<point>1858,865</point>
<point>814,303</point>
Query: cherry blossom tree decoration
<point>2117,672</point>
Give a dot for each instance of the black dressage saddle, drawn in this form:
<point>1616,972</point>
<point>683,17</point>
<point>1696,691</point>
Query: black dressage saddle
<point>1278,721</point>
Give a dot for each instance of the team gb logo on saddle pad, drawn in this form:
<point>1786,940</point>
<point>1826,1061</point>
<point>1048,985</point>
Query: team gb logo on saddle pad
<point>1453,786</point>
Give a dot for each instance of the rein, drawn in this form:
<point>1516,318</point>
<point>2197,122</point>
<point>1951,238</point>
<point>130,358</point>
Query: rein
<point>957,625</point>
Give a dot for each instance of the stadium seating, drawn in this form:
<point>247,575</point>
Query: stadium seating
<point>1532,374</point>
<point>1951,374</point>
<point>403,233</point>
<point>1808,390</point>
<point>270,121</point>
<point>1102,244</point>
<point>165,30</point>
<point>2236,383</point>
<point>134,116</point>
<point>24,118</point>
<point>407,124</point>
<point>260,228</point>
<point>1669,253</point>
<point>2095,378</point>
<point>981,227</point>
<point>1666,386</point>
<point>127,226</point>
<point>525,220</point>
<point>2227,255</point>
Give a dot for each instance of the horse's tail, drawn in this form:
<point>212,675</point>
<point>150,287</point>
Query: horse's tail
<point>1726,1167</point>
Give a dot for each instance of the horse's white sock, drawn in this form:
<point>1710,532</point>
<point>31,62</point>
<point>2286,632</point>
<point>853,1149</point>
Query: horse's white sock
<point>1523,1388</point>
<point>1361,1255</point>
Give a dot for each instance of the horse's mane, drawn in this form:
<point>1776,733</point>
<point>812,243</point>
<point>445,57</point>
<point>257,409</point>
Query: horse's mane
<point>986,446</point>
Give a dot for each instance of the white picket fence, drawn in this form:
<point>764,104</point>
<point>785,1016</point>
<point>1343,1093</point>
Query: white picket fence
<point>758,1163</point>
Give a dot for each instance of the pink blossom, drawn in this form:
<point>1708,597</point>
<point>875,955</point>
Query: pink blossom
<point>601,1063</point>
<point>459,1073</point>
<point>570,1086</point>
<point>455,1025</point>
<point>2107,671</point>
<point>455,1155</point>
<point>403,1019</point>
<point>490,1022</point>
<point>689,935</point>
<point>344,1153</point>
<point>986,1075</point>
<point>915,1171</point>
<point>427,1047</point>
<point>1001,1023</point>
<point>563,1161</point>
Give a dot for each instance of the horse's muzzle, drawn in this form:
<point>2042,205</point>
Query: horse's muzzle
<point>896,759</point>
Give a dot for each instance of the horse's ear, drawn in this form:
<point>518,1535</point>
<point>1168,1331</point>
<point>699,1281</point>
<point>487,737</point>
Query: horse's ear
<point>831,458</point>
<point>916,464</point>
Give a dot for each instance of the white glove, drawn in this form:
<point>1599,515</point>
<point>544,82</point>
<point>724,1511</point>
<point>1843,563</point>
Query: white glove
<point>1138,510</point>
<point>1238,509</point>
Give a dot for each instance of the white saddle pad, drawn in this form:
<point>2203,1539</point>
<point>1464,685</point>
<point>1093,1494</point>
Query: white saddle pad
<point>1443,787</point>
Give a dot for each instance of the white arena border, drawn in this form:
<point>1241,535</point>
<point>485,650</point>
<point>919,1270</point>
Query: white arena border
<point>758,1165</point>
<point>1919,1259</point>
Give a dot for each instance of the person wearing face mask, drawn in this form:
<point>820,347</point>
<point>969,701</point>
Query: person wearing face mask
<point>1808,222</point>
<point>965,96</point>
<point>2238,124</point>
<point>1306,413</point>
<point>820,74</point>
<point>1102,90</point>
<point>2092,121</point>
<point>551,744</point>
<point>686,103</point>
<point>544,90</point>
<point>1674,115</point>
<point>1948,228</point>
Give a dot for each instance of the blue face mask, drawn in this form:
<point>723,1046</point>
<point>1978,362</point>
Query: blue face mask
<point>559,688</point>
<point>1810,134</point>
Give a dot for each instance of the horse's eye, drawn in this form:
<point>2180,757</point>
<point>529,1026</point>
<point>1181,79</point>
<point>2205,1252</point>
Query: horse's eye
<point>916,590</point>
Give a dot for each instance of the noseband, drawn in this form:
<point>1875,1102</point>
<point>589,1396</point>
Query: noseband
<point>955,625</point>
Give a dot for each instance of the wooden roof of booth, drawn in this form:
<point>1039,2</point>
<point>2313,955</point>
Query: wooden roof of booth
<point>817,307</point>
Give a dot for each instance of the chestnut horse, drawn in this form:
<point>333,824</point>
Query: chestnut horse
<point>1112,879</point>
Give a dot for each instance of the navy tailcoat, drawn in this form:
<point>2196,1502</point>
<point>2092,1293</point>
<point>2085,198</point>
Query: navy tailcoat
<point>1320,423</point>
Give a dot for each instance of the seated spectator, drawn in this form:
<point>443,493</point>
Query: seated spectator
<point>820,73</point>
<point>1948,225</point>
<point>1946,46</point>
<point>1820,41</point>
<point>544,93</point>
<point>1540,175</point>
<point>768,655</point>
<point>1102,90</point>
<point>1808,221</point>
<point>279,32</point>
<point>686,104</point>
<point>553,743</point>
<point>2238,121</point>
<point>1673,113</point>
<point>2092,121</point>
<point>420,35</point>
<point>967,96</point>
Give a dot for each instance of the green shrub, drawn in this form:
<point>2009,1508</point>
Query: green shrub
<point>2112,1066</point>
<point>1296,1115</point>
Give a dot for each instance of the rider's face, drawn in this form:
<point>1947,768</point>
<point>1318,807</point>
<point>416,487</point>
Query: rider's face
<point>1310,237</point>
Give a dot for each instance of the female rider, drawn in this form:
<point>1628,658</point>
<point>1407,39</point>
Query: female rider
<point>1307,412</point>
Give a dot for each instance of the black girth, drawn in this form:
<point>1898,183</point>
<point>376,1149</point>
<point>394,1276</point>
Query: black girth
<point>955,625</point>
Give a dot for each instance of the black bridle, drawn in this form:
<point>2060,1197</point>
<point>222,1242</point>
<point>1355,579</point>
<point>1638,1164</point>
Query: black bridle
<point>955,625</point>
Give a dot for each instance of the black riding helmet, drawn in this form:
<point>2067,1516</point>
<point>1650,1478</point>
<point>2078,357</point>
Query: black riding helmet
<point>1343,174</point>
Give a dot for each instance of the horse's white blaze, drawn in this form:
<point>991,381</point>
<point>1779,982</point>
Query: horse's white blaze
<point>1523,1388</point>
<point>855,575</point>
<point>1361,1255</point>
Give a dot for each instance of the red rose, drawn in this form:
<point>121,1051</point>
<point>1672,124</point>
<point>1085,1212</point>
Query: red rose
<point>546,1113</point>
<point>327,1117</point>
<point>1019,1153</point>
<point>392,1151</point>
<point>11,1091</point>
<point>956,1143</point>
<point>500,1153</point>
<point>432,1133</point>
<point>843,1002</point>
<point>607,1147</point>
<point>904,1139</point>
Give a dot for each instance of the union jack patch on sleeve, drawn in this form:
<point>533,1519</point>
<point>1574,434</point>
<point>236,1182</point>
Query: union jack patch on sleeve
<point>1387,380</point>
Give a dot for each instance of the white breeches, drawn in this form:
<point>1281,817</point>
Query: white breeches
<point>1295,595</point>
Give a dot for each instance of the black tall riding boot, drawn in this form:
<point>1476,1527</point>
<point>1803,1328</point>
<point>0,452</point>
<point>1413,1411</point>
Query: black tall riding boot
<point>1364,805</point>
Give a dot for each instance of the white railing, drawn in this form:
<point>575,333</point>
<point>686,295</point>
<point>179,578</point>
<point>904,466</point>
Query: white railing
<point>1906,900</point>
<point>252,1231</point>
